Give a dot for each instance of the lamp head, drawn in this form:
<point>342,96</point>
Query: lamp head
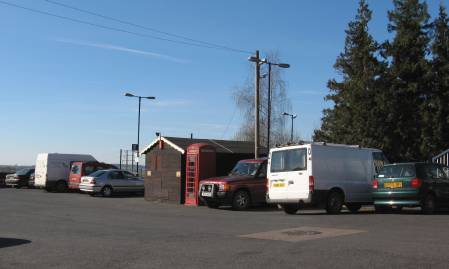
<point>283,65</point>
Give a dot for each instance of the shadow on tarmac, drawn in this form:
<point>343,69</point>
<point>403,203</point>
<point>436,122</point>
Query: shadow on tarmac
<point>11,242</point>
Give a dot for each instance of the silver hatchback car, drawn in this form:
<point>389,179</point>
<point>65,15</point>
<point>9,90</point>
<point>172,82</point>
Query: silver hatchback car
<point>108,182</point>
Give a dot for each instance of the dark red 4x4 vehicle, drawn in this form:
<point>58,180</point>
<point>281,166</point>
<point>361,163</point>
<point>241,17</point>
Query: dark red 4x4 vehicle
<point>246,185</point>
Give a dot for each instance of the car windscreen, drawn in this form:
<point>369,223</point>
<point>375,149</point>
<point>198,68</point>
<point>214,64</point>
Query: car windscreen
<point>245,168</point>
<point>397,171</point>
<point>98,173</point>
<point>23,172</point>
<point>289,160</point>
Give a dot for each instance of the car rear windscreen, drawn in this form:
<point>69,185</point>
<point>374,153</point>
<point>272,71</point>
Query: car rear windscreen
<point>289,160</point>
<point>398,170</point>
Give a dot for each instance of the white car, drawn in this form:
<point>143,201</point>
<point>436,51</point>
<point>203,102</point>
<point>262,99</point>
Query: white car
<point>108,182</point>
<point>323,175</point>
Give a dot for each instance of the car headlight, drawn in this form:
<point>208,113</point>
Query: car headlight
<point>223,187</point>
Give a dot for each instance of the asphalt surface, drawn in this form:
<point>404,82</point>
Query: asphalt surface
<point>70,230</point>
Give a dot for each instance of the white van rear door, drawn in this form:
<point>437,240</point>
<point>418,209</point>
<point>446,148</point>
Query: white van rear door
<point>289,178</point>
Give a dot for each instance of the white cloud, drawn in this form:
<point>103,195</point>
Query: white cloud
<point>122,49</point>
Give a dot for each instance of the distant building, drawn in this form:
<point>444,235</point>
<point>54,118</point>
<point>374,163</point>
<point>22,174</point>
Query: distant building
<point>165,175</point>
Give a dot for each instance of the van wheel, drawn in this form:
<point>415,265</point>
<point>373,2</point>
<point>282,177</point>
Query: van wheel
<point>428,204</point>
<point>290,209</point>
<point>107,191</point>
<point>241,200</point>
<point>354,208</point>
<point>334,202</point>
<point>61,186</point>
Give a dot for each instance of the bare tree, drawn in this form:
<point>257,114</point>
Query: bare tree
<point>244,99</point>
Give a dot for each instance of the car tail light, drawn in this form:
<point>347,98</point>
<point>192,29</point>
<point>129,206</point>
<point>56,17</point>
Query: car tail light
<point>416,183</point>
<point>375,184</point>
<point>311,183</point>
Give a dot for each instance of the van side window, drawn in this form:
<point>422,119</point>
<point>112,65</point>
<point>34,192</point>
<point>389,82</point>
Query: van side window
<point>289,160</point>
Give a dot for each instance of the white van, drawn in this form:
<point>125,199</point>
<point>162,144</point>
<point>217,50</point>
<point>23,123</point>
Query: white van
<point>53,169</point>
<point>322,175</point>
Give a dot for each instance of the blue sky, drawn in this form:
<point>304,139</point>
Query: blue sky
<point>62,83</point>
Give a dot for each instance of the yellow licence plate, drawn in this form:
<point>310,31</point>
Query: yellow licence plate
<point>393,185</point>
<point>278,185</point>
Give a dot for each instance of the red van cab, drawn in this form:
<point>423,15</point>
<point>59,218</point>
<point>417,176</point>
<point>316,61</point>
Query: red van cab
<point>80,169</point>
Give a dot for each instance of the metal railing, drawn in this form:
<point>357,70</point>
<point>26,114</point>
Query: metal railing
<point>127,162</point>
<point>442,158</point>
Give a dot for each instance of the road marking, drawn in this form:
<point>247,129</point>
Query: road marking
<point>301,234</point>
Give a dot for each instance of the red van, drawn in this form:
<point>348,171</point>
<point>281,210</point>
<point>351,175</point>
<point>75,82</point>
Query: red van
<point>80,169</point>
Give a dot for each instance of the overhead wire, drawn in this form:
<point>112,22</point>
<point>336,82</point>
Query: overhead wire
<point>144,27</point>
<point>106,27</point>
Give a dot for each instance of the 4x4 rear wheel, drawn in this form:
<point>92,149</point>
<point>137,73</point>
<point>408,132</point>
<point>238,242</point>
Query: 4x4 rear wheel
<point>334,202</point>
<point>290,209</point>
<point>241,200</point>
<point>428,204</point>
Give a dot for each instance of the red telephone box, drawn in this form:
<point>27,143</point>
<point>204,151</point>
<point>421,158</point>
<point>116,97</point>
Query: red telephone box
<point>200,164</point>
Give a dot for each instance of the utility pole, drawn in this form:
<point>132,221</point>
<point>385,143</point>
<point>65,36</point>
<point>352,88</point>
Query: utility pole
<point>269,106</point>
<point>256,103</point>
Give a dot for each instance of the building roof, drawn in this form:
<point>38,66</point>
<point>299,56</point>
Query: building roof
<point>221,146</point>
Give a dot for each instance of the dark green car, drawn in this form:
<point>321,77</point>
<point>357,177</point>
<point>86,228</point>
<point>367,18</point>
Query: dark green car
<point>424,185</point>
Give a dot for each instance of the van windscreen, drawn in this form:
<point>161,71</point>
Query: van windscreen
<point>289,160</point>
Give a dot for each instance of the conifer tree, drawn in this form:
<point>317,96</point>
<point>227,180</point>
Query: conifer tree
<point>410,80</point>
<point>437,116</point>
<point>355,116</point>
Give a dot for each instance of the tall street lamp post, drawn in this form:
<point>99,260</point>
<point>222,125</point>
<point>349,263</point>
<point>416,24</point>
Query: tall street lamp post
<point>293,116</point>
<point>281,65</point>
<point>138,122</point>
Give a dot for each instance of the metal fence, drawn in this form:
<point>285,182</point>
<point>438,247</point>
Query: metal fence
<point>128,162</point>
<point>442,158</point>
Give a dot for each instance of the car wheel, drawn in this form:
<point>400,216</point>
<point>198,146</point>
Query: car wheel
<point>353,208</point>
<point>290,209</point>
<point>428,204</point>
<point>107,191</point>
<point>241,200</point>
<point>334,202</point>
<point>61,186</point>
<point>212,204</point>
